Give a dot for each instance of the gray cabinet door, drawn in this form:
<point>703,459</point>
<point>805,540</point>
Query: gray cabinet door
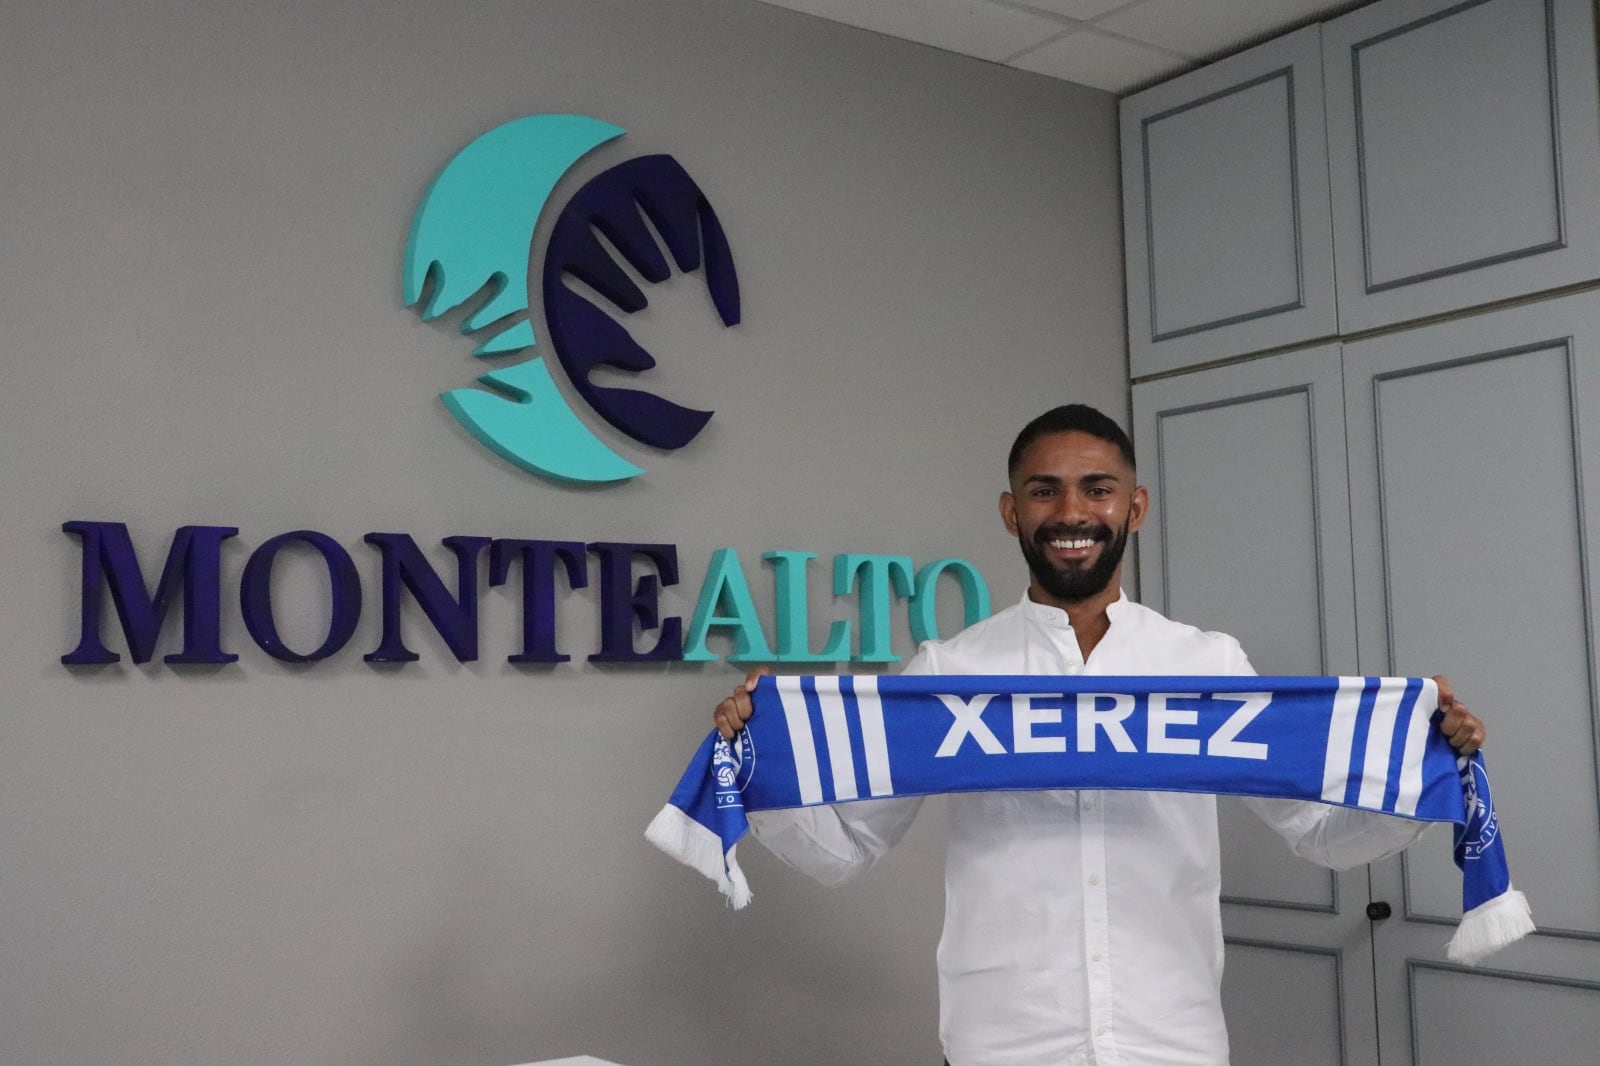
<point>1464,154</point>
<point>1475,491</point>
<point>1249,533</point>
<point>1226,212</point>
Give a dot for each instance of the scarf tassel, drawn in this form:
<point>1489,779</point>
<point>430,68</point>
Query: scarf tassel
<point>1490,926</point>
<point>677,834</point>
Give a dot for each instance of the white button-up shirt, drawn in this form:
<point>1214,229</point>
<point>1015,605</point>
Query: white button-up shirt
<point>1080,927</point>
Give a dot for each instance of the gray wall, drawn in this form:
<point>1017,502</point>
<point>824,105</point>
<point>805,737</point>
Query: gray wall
<point>202,211</point>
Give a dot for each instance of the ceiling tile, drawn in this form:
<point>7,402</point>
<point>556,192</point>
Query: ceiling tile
<point>1205,29</point>
<point>973,27</point>
<point>1078,9</point>
<point>1101,62</point>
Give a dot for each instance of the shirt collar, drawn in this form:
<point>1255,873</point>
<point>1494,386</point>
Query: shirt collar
<point>1056,618</point>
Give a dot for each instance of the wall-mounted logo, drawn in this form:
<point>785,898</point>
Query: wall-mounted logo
<point>470,247</point>
<point>474,231</point>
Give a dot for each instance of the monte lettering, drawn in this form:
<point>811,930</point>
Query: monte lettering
<point>193,574</point>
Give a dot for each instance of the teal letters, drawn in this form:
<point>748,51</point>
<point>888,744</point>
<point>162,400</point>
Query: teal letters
<point>789,578</point>
<point>726,588</point>
<point>876,580</point>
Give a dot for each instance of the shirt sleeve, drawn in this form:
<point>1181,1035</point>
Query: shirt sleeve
<point>1337,837</point>
<point>835,842</point>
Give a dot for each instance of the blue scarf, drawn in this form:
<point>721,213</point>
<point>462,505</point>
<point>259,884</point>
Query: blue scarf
<point>1357,742</point>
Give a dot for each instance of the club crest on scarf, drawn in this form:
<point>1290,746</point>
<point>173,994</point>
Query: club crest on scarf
<point>731,766</point>
<point>1483,826</point>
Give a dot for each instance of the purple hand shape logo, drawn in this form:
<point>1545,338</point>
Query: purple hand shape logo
<point>474,231</point>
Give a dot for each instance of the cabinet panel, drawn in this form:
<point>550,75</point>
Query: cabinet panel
<point>1219,174</point>
<point>1474,507</point>
<point>1472,561</point>
<point>1226,209</point>
<point>1482,426</point>
<point>1565,1014</point>
<point>1249,523</point>
<point>1463,150</point>
<point>1246,461</point>
<point>1294,994</point>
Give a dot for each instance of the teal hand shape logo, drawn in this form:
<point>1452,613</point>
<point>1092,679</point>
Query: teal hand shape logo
<point>474,231</point>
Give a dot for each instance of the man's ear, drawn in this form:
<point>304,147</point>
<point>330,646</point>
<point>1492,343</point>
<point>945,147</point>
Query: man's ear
<point>1138,508</point>
<point>1008,512</point>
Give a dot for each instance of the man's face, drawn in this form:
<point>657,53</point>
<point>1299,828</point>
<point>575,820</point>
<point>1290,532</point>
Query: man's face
<point>1072,504</point>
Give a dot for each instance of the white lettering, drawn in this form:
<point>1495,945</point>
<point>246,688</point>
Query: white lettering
<point>1161,716</point>
<point>1222,742</point>
<point>1110,720</point>
<point>1106,712</point>
<point>1024,716</point>
<point>969,722</point>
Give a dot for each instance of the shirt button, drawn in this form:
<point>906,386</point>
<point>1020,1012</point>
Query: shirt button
<point>1095,957</point>
<point>1094,879</point>
<point>1100,1030</point>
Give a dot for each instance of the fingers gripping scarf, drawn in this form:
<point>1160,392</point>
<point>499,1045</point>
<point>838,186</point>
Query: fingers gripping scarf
<point>1356,742</point>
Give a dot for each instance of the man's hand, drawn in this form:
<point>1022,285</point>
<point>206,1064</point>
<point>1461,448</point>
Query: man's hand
<point>1464,732</point>
<point>732,713</point>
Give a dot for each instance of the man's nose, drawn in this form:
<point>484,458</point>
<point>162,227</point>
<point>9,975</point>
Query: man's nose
<point>1072,508</point>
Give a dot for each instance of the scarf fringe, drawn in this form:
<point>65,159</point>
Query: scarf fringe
<point>697,847</point>
<point>1490,926</point>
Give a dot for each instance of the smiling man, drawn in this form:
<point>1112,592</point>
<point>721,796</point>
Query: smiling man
<point>1074,499</point>
<point>1081,928</point>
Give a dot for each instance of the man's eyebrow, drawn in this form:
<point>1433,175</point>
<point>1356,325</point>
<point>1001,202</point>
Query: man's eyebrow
<point>1049,480</point>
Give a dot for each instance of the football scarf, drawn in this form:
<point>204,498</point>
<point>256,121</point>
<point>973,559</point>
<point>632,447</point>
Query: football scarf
<point>1367,743</point>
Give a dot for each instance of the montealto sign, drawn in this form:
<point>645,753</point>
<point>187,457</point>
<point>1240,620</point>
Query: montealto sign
<point>629,578</point>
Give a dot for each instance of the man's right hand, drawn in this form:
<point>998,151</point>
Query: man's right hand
<point>732,713</point>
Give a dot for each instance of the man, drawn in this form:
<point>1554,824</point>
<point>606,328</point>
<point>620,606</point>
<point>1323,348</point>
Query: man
<point>1081,928</point>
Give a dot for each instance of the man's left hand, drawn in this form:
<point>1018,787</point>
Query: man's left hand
<point>1464,731</point>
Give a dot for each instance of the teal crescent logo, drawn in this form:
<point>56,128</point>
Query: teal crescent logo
<point>473,233</point>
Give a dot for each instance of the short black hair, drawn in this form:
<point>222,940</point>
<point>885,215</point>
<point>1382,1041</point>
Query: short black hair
<point>1071,418</point>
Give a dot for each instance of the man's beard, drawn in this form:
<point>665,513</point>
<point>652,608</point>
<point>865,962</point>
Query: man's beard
<point>1074,584</point>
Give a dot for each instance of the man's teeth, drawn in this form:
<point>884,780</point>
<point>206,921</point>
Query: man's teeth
<point>1079,542</point>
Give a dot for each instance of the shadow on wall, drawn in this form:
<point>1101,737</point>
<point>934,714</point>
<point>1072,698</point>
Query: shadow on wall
<point>506,966</point>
